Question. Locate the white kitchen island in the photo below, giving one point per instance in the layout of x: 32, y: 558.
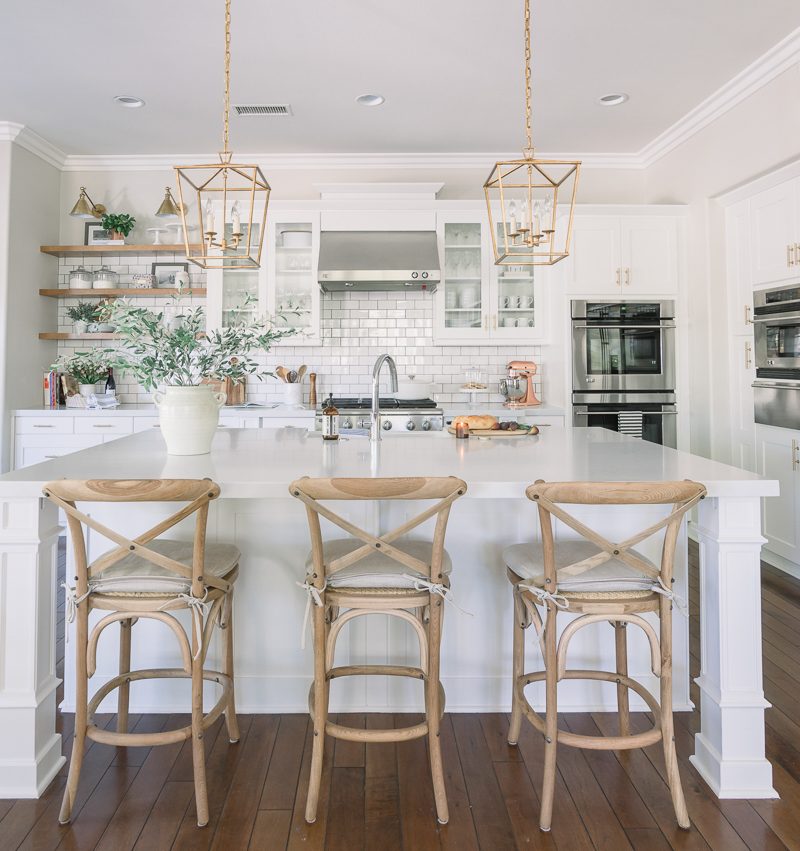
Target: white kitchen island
x: 254, y: 468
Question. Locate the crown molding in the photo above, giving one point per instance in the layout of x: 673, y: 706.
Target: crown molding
x: 31, y: 141
x: 343, y: 161
x: 9, y: 130
x: 775, y: 61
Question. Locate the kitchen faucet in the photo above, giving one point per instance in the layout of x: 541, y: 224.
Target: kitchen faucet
x: 375, y: 422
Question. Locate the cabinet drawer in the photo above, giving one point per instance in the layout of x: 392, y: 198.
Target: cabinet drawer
x: 103, y: 425
x: 144, y: 424
x: 294, y: 422
x: 34, y: 449
x: 231, y: 422
x: 54, y: 424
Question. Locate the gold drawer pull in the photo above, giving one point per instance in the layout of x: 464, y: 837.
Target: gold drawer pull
x: 36, y: 425
x: 795, y: 459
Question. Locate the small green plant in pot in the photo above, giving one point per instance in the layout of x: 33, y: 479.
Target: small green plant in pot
x: 82, y: 314
x: 118, y: 224
x: 173, y: 362
x: 87, y: 368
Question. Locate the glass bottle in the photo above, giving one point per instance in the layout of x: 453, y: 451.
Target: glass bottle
x: 111, y: 385
x: 330, y: 421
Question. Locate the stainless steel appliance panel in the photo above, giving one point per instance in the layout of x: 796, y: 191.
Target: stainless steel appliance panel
x: 777, y: 403
x: 650, y: 421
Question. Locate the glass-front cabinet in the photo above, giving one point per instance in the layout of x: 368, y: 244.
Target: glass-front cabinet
x: 285, y: 286
x: 476, y: 300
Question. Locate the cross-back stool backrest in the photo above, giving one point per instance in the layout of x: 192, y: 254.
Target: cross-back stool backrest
x: 312, y: 492
x: 196, y: 493
x: 550, y: 496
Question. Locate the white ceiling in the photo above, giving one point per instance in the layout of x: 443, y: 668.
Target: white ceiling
x: 451, y: 71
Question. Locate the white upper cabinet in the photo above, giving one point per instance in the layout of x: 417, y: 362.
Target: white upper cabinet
x: 623, y: 256
x: 738, y: 268
x: 595, y: 260
x: 774, y: 234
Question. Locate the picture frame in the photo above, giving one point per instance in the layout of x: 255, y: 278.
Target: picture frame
x: 95, y: 234
x: 165, y: 273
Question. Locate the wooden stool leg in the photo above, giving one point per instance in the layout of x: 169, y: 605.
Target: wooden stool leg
x: 667, y: 723
x: 433, y: 709
x: 124, y: 691
x: 320, y: 714
x: 623, y: 707
x: 81, y: 703
x: 551, y: 718
x: 518, y: 667
x: 198, y: 745
x: 226, y: 625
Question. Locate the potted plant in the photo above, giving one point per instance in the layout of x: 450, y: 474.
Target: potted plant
x: 87, y: 368
x: 81, y: 315
x: 119, y: 225
x: 173, y: 362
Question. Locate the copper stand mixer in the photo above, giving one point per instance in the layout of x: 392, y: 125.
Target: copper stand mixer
x: 518, y: 387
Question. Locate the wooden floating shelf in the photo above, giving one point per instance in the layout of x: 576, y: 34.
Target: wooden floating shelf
x: 77, y: 250
x: 130, y: 292
x: 58, y: 335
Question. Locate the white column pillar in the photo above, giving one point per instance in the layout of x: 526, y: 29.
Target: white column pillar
x: 30, y: 749
x: 729, y: 749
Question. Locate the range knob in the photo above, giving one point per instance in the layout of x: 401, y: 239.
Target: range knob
x: 410, y: 425
x: 426, y: 424
x: 415, y: 274
x: 387, y: 424
x: 346, y: 422
x: 424, y: 274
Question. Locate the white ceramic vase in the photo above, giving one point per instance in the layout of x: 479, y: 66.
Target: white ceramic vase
x: 189, y: 417
x: 86, y: 389
x: 80, y: 326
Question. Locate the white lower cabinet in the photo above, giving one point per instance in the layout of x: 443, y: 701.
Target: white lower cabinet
x: 778, y: 457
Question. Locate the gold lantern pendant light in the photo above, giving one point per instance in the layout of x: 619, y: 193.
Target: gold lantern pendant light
x: 224, y: 202
x: 527, y: 199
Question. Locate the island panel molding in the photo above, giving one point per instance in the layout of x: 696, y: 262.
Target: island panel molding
x: 256, y: 512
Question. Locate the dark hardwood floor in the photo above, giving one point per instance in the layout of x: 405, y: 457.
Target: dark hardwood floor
x: 379, y: 796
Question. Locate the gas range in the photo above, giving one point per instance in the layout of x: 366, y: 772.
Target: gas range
x: 396, y: 414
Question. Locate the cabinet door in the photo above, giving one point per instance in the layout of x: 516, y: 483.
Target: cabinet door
x: 593, y: 266
x: 738, y: 271
x: 292, y: 279
x: 774, y: 230
x: 743, y: 429
x: 780, y: 512
x: 649, y: 256
x: 462, y: 310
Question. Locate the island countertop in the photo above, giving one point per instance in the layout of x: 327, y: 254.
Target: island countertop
x: 249, y: 463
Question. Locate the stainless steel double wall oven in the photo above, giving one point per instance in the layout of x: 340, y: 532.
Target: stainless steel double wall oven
x: 623, y: 368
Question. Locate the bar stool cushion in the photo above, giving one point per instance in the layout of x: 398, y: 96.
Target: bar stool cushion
x: 377, y: 570
x: 527, y: 562
x: 136, y: 575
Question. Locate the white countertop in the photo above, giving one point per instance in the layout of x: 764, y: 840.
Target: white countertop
x: 251, y: 463
x: 152, y: 411
x: 496, y: 409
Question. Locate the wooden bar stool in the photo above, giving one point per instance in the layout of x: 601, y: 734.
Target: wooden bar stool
x: 367, y: 574
x: 149, y: 577
x: 600, y: 581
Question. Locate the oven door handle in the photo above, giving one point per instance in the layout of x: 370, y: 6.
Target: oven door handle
x: 778, y: 385
x: 643, y: 413
x: 633, y: 327
x: 778, y: 317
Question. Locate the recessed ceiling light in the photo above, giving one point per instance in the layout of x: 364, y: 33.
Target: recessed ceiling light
x: 129, y: 101
x: 370, y: 100
x: 613, y: 99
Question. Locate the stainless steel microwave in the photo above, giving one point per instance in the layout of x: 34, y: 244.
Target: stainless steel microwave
x: 623, y: 346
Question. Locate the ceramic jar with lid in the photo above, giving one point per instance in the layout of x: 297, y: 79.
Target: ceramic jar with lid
x: 80, y: 279
x: 105, y: 279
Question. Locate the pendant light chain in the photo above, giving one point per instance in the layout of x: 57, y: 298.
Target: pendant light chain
x: 528, y: 152
x: 227, y: 108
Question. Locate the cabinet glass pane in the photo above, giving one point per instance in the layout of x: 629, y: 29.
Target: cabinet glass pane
x: 462, y: 275
x: 295, y: 276
x: 239, y: 295
x: 515, y: 297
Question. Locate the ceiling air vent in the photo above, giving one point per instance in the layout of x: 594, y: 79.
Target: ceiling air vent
x: 269, y: 109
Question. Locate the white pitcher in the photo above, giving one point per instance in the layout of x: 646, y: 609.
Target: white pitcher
x: 189, y: 417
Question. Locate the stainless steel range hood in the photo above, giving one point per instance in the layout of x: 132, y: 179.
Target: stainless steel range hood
x: 378, y: 260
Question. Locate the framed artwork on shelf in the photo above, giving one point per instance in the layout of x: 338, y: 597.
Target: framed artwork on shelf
x: 166, y: 274
x: 95, y: 234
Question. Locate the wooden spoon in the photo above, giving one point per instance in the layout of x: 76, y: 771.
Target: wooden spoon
x: 301, y: 372
x: 280, y: 371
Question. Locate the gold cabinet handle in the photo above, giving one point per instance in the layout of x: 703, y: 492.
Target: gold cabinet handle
x: 494, y: 322
x: 748, y: 349
x: 618, y: 274
x: 747, y: 319
x: 485, y: 323
x: 790, y: 255
x: 795, y: 459
x: 627, y: 276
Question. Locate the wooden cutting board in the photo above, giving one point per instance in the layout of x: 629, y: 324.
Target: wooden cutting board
x: 489, y: 432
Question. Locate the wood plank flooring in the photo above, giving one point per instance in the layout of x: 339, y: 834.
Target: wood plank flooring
x: 379, y: 796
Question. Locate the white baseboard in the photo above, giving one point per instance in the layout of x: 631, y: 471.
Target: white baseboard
x: 774, y: 560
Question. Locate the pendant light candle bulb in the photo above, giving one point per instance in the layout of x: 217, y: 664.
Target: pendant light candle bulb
x: 513, y: 229
x: 236, y: 221
x: 209, y: 219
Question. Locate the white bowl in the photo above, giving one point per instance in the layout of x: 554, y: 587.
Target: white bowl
x: 296, y: 238
x: 409, y: 388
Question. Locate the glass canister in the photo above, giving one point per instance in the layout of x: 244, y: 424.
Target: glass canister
x: 80, y: 279
x: 105, y: 279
